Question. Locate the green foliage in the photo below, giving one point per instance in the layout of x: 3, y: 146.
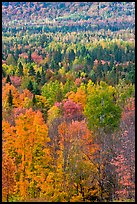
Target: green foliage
x: 31, y: 71
x: 101, y: 108
x: 11, y: 60
x: 20, y: 69
x: 30, y: 86
x: 76, y: 73
x: 123, y: 92
x: 52, y: 92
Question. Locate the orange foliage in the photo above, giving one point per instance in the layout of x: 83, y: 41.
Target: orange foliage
x: 15, y: 94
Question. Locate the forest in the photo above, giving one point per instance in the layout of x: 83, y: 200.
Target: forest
x: 68, y: 101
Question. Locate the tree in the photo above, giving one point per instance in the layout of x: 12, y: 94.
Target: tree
x: 5, y: 94
x: 72, y: 110
x: 20, y: 70
x: 11, y: 60
x: 31, y: 71
x: 103, y: 116
x: 10, y: 99
x: 78, y: 97
x: 78, y: 150
x: 36, y: 89
x: 124, y: 159
x: 34, y: 99
x: 52, y: 91
x: 43, y: 80
x: 101, y: 108
x: 8, y: 178
x: 27, y: 144
x: 53, y: 112
x: 3, y: 73
x: 38, y: 77
x: 8, y: 79
x: 29, y: 56
x: 71, y: 55
x: 30, y: 86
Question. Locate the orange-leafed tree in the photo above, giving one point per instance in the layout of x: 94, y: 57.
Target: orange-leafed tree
x: 5, y: 94
x: 78, y: 160
x: 27, y: 144
x: 8, y: 179
x: 31, y: 144
x: 78, y: 97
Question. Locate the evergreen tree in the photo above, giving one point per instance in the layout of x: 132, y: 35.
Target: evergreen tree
x: 3, y: 73
x: 8, y: 79
x: 45, y: 66
x: 20, y: 71
x: 32, y: 71
x: 36, y: 89
x: 29, y: 56
x: 30, y: 86
x: 43, y: 80
x: 71, y: 55
x: 10, y: 98
x: 38, y: 77
x: 34, y: 99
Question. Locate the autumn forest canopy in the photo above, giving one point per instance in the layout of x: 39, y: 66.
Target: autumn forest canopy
x: 68, y: 92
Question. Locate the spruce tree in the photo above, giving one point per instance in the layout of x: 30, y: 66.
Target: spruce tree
x: 31, y: 71
x: 34, y: 99
x: 43, y: 80
x: 8, y: 79
x: 20, y: 71
x: 29, y: 56
x: 3, y: 73
x: 38, y: 77
x: 10, y: 98
x: 30, y: 86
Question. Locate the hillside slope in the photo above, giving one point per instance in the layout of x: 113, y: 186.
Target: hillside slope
x: 81, y: 15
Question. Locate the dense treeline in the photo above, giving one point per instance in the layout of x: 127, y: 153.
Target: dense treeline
x: 68, y: 113
x: 77, y: 53
x: 69, y: 16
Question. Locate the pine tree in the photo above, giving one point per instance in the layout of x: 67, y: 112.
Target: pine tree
x: 34, y: 99
x: 43, y: 80
x: 20, y: 71
x: 29, y: 56
x: 10, y: 98
x: 38, y: 77
x: 30, y: 86
x: 8, y: 79
x: 35, y: 88
x: 3, y: 73
x: 32, y: 71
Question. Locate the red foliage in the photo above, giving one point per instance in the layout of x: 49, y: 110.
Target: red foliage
x: 124, y: 160
x: 15, y: 80
x: 78, y: 81
x: 24, y: 55
x: 36, y: 58
x: 72, y: 110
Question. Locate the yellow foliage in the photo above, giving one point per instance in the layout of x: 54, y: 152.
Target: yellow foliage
x: 53, y: 113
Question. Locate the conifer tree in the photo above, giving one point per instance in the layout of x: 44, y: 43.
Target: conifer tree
x: 8, y: 79
x: 32, y: 71
x: 20, y: 71
x: 43, y: 80
x: 30, y: 86
x: 10, y: 98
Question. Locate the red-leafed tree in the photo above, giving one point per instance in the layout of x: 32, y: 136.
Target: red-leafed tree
x: 124, y: 161
x: 72, y: 110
